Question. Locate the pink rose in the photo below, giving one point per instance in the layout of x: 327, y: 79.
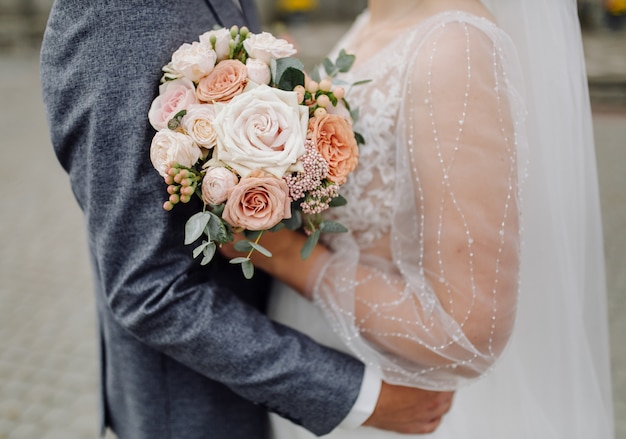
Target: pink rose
x: 258, y: 71
x: 265, y: 46
x: 227, y: 80
x: 174, y: 96
x: 334, y: 138
x: 257, y: 203
x: 222, y: 42
x: 216, y: 183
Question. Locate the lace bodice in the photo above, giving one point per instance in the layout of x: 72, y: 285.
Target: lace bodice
x: 424, y: 286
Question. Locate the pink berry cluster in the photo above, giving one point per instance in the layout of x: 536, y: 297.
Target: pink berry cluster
x: 318, y: 96
x: 182, y: 183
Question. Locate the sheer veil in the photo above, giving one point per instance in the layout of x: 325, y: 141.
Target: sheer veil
x: 561, y: 337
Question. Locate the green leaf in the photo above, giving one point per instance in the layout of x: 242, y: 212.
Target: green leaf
x: 290, y: 78
x: 338, y: 201
x: 248, y: 269
x: 277, y: 227
x: 344, y: 61
x: 209, y: 252
x: 360, y: 140
x: 315, y: 74
x: 329, y: 67
x: 216, y: 229
x: 310, y: 244
x: 195, y: 226
x: 364, y: 81
x: 261, y: 249
x: 240, y: 260
x: 243, y: 246
x: 354, y: 115
x: 332, y: 227
x: 287, y: 73
x: 199, y: 249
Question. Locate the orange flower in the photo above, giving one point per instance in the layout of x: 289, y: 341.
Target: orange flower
x: 334, y: 138
x: 227, y: 80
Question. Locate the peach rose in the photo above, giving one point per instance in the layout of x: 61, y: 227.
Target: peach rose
x: 334, y: 138
x: 257, y: 203
x: 227, y: 80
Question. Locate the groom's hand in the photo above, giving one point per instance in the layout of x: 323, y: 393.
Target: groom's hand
x: 408, y: 410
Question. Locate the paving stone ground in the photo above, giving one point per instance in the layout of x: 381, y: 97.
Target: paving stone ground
x: 48, y: 369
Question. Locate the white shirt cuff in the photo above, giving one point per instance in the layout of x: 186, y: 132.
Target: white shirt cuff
x: 366, y: 401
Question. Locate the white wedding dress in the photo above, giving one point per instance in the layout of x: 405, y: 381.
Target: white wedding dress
x: 433, y: 253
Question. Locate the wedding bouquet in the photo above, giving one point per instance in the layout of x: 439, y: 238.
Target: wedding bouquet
x: 263, y: 145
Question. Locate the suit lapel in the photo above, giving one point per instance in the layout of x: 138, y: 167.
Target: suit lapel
x: 228, y: 14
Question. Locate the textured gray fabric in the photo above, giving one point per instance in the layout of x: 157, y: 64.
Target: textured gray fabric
x: 186, y: 351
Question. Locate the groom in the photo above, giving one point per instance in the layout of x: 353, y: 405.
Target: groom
x: 186, y: 351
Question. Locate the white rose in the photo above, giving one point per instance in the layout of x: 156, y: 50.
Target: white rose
x: 258, y: 71
x: 194, y: 60
x: 198, y: 124
x: 169, y: 147
x: 222, y: 41
x: 265, y: 46
x: 216, y: 183
x: 263, y: 128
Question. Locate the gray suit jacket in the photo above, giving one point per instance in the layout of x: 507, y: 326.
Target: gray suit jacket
x: 186, y: 351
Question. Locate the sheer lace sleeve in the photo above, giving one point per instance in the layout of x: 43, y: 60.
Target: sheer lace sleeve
x: 431, y: 300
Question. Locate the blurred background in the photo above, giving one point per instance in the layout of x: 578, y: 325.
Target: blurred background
x: 48, y: 368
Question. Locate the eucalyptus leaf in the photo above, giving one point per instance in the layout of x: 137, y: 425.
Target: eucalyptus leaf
x: 364, y: 81
x: 217, y: 230
x: 354, y: 115
x: 329, y: 67
x: 310, y: 244
x: 248, y: 269
x: 261, y: 249
x: 315, y: 74
x: 332, y: 227
x: 277, y: 227
x: 360, y: 140
x: 195, y: 226
x: 344, y: 61
x: 240, y: 260
x: 243, y: 246
x: 209, y: 252
x: 199, y: 249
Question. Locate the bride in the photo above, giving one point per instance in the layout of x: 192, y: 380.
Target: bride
x: 477, y: 182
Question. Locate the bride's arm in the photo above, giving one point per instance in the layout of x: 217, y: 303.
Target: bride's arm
x: 441, y: 307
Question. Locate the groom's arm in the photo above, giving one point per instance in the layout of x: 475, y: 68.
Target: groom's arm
x: 100, y: 68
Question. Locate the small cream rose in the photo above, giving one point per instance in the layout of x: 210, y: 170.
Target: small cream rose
x: 263, y: 128
x: 169, y: 147
x: 258, y: 71
x: 265, y: 46
x: 227, y: 80
x: 174, y: 96
x: 216, y: 183
x: 257, y: 203
x: 198, y: 124
x: 222, y: 40
x: 194, y: 60
x: 334, y: 138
